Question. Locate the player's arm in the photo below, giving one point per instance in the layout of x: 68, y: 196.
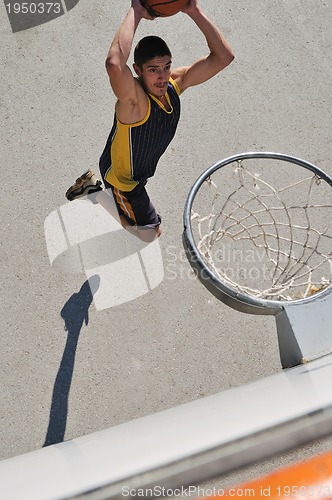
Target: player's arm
x: 220, y: 56
x: 121, y: 78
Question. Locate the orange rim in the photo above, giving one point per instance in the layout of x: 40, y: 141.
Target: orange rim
x: 311, y: 479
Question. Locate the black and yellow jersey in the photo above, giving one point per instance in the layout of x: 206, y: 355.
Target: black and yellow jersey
x: 133, y: 150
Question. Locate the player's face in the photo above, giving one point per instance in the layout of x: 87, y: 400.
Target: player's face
x: 155, y: 75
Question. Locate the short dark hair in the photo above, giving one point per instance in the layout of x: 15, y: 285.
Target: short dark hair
x: 148, y: 48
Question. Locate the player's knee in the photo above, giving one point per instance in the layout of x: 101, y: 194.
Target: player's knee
x: 149, y: 235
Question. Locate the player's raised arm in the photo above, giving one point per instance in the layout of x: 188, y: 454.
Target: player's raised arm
x: 121, y: 77
x: 220, y: 56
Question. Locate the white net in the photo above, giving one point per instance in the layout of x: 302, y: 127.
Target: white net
x: 264, y: 227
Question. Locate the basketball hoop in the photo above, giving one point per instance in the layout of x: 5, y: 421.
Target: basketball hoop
x: 258, y: 232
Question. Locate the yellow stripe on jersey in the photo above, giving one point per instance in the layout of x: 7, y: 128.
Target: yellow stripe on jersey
x: 175, y: 85
x: 121, y: 153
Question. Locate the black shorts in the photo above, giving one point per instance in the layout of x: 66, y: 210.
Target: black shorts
x: 135, y: 206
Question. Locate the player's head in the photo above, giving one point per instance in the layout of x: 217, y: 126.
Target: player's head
x: 149, y: 48
x: 152, y: 64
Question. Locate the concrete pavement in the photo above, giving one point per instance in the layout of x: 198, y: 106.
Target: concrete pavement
x: 68, y: 369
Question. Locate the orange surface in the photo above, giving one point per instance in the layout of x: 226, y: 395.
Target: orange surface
x: 311, y: 479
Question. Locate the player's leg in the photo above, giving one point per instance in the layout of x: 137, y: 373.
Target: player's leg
x: 136, y: 209
x: 133, y: 210
x: 107, y: 200
x: 88, y: 185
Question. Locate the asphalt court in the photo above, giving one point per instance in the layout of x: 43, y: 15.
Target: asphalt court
x: 68, y: 366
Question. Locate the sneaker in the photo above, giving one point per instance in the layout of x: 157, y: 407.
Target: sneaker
x: 84, y: 185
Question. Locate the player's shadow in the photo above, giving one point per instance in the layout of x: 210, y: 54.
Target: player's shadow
x: 75, y: 313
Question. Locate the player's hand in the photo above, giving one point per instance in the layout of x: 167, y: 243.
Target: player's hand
x: 140, y: 10
x: 191, y: 6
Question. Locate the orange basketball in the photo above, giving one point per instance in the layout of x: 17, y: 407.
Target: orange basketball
x: 163, y: 8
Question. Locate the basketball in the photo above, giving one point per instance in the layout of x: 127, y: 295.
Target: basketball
x: 163, y: 8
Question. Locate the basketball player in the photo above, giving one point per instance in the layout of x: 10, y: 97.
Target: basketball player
x: 146, y: 116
